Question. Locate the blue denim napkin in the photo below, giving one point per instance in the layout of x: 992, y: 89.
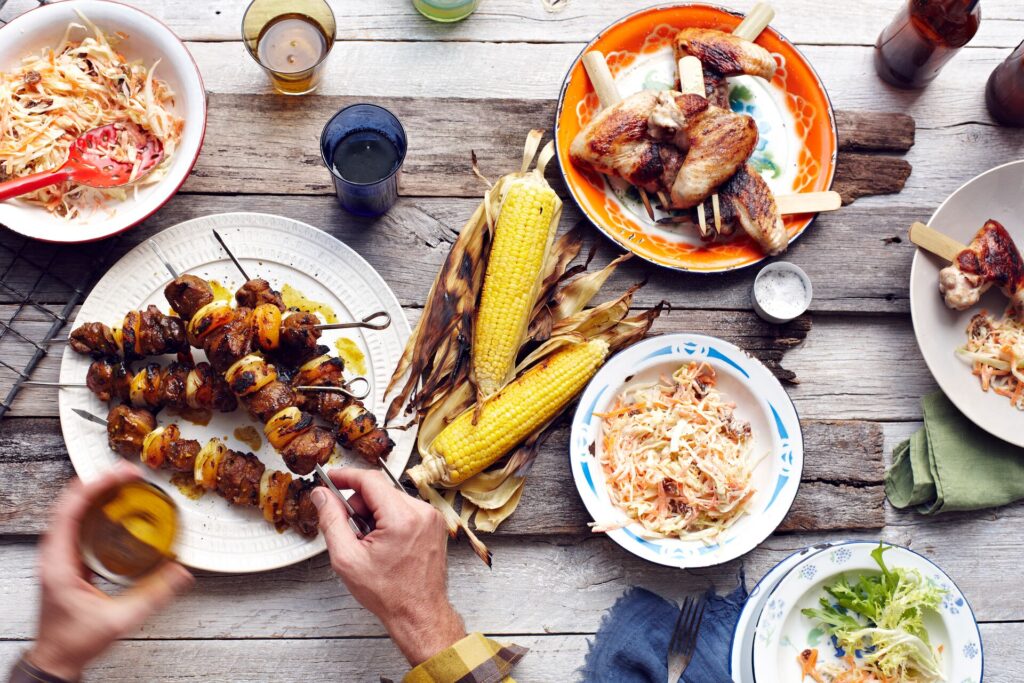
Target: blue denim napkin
x: 631, y: 646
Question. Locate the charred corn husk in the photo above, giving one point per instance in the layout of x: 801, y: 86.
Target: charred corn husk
x: 464, y: 449
x: 521, y: 243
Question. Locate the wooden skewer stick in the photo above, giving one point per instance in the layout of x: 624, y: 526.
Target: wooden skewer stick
x: 691, y: 81
x: 607, y: 91
x: 933, y: 241
x: 790, y: 204
x: 757, y: 20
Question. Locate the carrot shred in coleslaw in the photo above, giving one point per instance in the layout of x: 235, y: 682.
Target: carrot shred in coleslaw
x: 676, y: 459
x: 995, y: 349
x: 58, y: 94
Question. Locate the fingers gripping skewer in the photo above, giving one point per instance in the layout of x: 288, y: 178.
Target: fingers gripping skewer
x: 608, y: 94
x: 359, y: 526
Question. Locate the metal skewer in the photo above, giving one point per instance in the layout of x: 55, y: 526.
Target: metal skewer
x: 160, y: 255
x: 345, y: 389
x: 60, y: 385
x: 85, y: 414
x: 359, y: 525
x: 224, y: 246
x: 394, y: 480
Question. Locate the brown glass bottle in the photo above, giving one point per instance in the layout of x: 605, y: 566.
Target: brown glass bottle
x: 1004, y: 93
x: 912, y: 50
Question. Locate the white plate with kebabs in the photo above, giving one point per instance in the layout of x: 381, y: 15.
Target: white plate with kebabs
x: 199, y: 380
x: 696, y: 137
x: 967, y: 299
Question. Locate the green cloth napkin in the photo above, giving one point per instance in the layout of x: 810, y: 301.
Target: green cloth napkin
x: 951, y: 464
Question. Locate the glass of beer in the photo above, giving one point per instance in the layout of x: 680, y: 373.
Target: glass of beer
x: 128, y: 531
x: 290, y: 39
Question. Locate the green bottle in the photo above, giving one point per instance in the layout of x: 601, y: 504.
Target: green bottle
x: 446, y: 10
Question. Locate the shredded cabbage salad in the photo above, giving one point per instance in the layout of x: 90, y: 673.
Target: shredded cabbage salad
x: 881, y: 617
x: 676, y: 459
x: 58, y: 94
x: 995, y: 349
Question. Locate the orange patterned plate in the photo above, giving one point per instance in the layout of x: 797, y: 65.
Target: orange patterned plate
x: 796, y: 151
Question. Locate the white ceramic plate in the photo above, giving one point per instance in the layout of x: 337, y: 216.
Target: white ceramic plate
x: 997, y: 194
x: 760, y: 400
x: 216, y: 536
x: 146, y: 39
x: 741, y: 660
x: 783, y: 632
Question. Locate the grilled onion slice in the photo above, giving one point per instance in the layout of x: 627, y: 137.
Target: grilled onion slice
x: 208, y: 462
x: 286, y: 425
x: 206, y: 320
x: 249, y: 374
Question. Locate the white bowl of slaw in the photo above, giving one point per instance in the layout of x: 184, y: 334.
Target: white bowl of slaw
x: 760, y: 400
x: 145, y: 39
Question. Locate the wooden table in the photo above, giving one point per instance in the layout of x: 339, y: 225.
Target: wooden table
x: 490, y: 78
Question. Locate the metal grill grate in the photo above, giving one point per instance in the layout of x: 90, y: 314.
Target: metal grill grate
x: 36, y: 302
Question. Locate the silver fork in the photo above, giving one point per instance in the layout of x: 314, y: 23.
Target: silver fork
x: 684, y: 637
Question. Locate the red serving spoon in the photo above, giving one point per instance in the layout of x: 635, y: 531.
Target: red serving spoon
x: 90, y: 161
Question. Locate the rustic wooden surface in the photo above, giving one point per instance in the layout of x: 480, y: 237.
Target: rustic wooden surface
x: 853, y: 367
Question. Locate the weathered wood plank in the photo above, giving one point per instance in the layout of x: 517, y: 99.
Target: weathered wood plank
x: 288, y: 158
x: 526, y: 20
x: 875, y: 131
x: 34, y: 459
x: 537, y: 585
x: 551, y: 658
x: 858, y: 261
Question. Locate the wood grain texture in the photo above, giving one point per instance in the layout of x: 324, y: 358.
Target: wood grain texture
x: 857, y: 258
x: 34, y: 459
x: 802, y: 21
x: 288, y: 159
x: 551, y: 658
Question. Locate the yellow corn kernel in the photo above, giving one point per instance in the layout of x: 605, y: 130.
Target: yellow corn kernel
x: 522, y: 239
x: 463, y: 449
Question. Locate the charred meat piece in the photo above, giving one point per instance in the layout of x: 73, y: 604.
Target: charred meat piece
x: 94, y: 339
x: 720, y: 144
x: 127, y: 428
x: 299, y: 511
x: 376, y: 444
x: 179, y: 453
x: 725, y: 53
x: 298, y: 338
x: 256, y: 292
x: 269, y: 400
x: 307, y: 450
x: 992, y: 258
x: 209, y: 390
x: 230, y: 342
x: 108, y: 379
x: 752, y: 205
x: 238, y: 478
x: 187, y: 294
x: 636, y: 139
x: 174, y: 385
x: 151, y: 333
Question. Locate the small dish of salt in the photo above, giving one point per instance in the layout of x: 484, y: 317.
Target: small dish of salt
x: 782, y: 292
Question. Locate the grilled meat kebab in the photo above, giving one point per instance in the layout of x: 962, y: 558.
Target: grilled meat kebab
x: 992, y: 258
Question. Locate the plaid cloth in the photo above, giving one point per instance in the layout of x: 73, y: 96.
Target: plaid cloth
x: 474, y: 659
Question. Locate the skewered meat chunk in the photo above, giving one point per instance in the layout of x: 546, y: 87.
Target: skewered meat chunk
x: 238, y: 478
x: 229, y: 342
x: 298, y: 341
x: 724, y: 53
x: 187, y: 294
x: 635, y: 138
x: 270, y: 400
x: 207, y: 390
x: 127, y: 428
x: 178, y: 386
x: 108, y: 379
x: 307, y: 450
x: 720, y: 144
x: 753, y: 206
x: 151, y: 333
x: 991, y: 259
x: 256, y: 292
x: 299, y: 511
x: 94, y: 339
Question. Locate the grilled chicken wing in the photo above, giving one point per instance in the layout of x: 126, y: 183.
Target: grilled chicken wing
x: 991, y: 259
x: 720, y: 142
x: 635, y: 138
x: 753, y: 205
x: 724, y: 53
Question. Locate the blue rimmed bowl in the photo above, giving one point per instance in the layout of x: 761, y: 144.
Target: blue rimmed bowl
x: 759, y: 399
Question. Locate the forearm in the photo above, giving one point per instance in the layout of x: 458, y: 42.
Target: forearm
x: 29, y: 670
x: 421, y: 634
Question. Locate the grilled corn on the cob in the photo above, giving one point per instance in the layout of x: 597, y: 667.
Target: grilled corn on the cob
x: 464, y: 449
x: 522, y: 240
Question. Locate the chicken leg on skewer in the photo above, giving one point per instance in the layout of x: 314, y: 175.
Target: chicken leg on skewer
x: 240, y: 478
x: 723, y: 54
x: 990, y: 259
x: 746, y: 201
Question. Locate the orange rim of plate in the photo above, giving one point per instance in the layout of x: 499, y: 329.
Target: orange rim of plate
x: 648, y: 31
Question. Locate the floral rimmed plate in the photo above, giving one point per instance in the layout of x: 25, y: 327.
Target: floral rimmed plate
x: 760, y: 400
x: 783, y: 631
x: 796, y: 151
x: 741, y: 659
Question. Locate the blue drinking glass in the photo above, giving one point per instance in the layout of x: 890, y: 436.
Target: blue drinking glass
x: 364, y: 198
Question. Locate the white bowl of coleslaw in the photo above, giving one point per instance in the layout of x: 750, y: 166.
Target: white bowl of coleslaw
x: 774, y: 450
x: 144, y: 41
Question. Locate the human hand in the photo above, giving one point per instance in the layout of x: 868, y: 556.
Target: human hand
x: 78, y: 621
x: 399, y: 571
